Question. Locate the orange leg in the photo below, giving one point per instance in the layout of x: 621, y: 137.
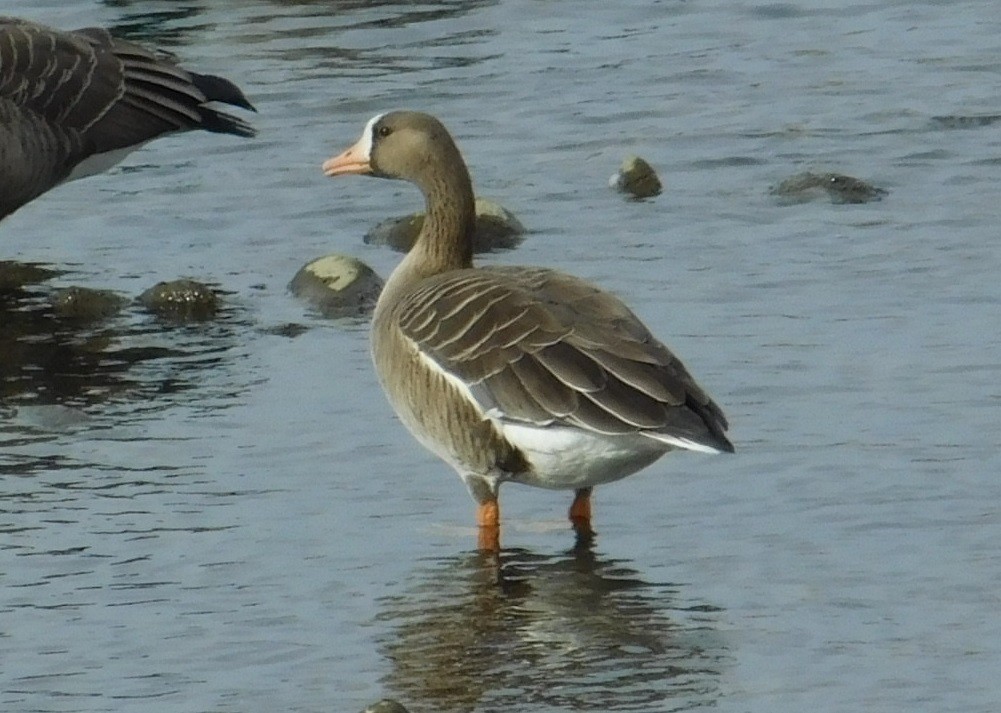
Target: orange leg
x: 488, y: 518
x: 580, y: 513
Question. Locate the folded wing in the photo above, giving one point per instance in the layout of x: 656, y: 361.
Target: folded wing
x: 545, y: 348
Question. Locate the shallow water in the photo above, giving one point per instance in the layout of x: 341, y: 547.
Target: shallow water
x: 225, y: 517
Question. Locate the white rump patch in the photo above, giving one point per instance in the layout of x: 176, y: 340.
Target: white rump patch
x: 565, y: 457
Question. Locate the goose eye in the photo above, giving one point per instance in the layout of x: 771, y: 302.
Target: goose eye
x: 383, y: 131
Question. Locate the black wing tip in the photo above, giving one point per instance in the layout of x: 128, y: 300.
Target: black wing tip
x: 219, y: 89
x: 713, y: 421
x: 219, y: 122
x: 717, y: 435
x: 715, y: 439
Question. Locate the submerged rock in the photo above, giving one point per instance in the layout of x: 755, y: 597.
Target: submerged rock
x: 386, y: 705
x: 291, y: 330
x: 338, y: 286
x: 974, y: 121
x: 83, y: 304
x: 837, y: 187
x: 637, y: 178
x: 181, y: 300
x: 496, y: 229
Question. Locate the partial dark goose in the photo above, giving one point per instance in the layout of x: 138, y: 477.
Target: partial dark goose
x: 75, y: 103
x: 515, y: 373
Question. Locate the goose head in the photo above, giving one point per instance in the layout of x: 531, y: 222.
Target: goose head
x: 406, y: 145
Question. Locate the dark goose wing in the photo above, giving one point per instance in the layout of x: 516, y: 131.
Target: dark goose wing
x: 69, y: 96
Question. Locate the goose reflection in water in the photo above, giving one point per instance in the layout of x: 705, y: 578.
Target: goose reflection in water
x: 507, y: 632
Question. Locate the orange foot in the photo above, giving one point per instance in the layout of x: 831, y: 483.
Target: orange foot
x: 488, y: 518
x: 580, y: 513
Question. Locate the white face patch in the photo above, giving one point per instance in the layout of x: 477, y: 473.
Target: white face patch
x: 365, y: 143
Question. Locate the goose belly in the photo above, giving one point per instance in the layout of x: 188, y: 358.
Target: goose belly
x: 565, y: 458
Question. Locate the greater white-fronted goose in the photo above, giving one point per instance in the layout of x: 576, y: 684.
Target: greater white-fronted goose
x: 515, y: 373
x: 74, y: 103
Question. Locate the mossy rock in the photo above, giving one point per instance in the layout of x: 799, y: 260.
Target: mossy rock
x: 837, y: 187
x: 496, y: 229
x: 637, y: 178
x: 386, y: 705
x: 181, y: 300
x: 338, y: 286
x: 82, y: 304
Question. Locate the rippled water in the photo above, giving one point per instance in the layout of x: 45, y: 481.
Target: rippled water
x: 226, y: 517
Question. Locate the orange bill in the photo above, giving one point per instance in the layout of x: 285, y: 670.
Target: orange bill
x: 353, y: 161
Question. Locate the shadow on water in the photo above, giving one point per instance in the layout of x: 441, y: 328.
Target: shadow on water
x: 573, y: 631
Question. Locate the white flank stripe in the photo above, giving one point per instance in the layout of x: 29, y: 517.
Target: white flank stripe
x: 451, y: 378
x: 680, y: 442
